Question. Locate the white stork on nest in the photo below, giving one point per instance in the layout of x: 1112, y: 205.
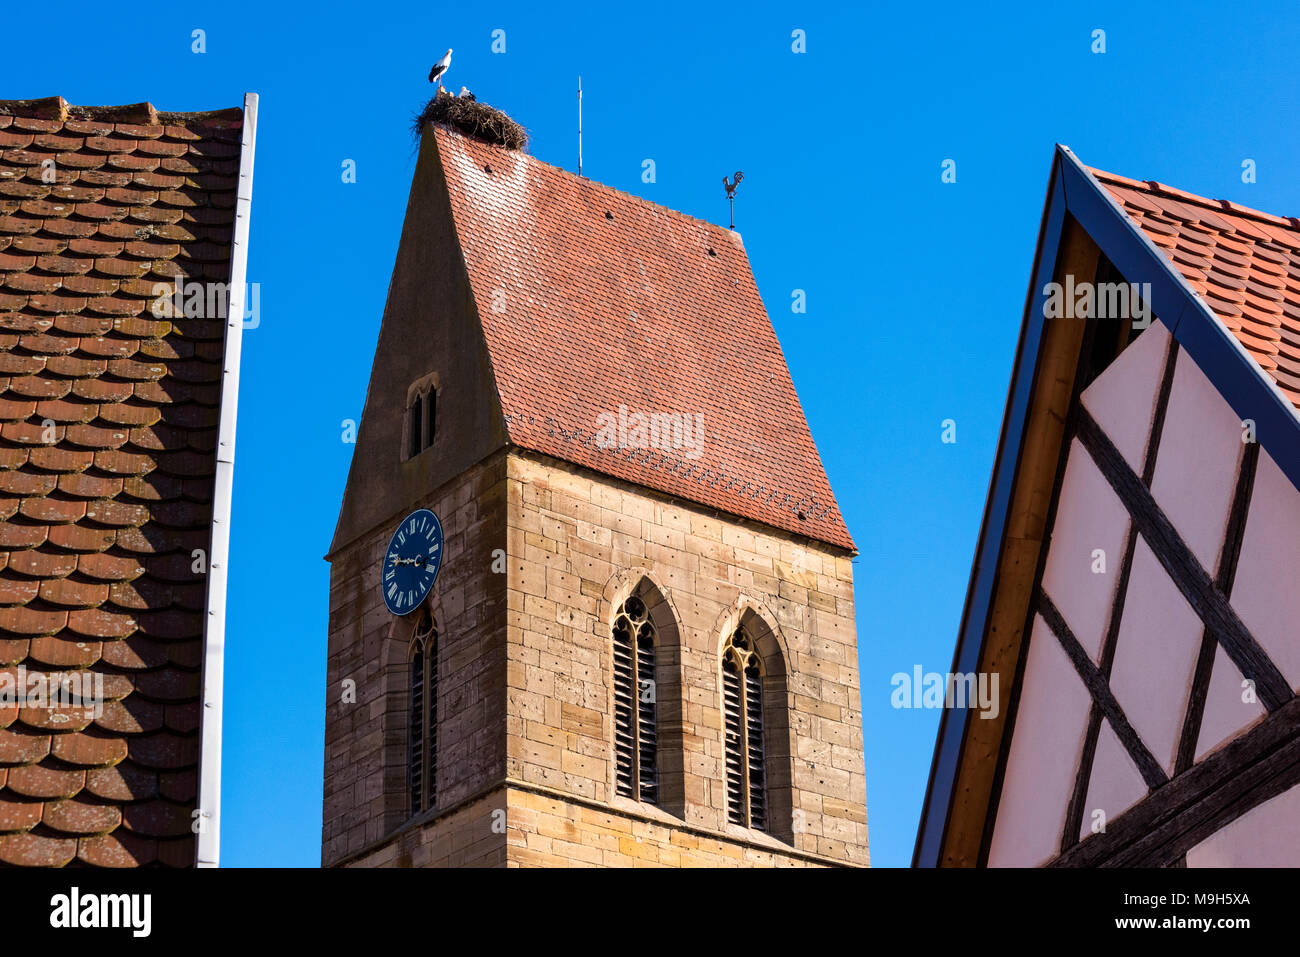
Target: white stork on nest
x: 439, y: 68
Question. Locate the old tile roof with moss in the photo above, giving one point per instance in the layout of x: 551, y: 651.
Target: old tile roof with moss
x: 1244, y: 263
x: 593, y: 300
x: 108, y: 426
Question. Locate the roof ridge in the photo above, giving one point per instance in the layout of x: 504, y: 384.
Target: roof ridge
x: 57, y: 108
x: 1182, y: 195
x: 590, y: 183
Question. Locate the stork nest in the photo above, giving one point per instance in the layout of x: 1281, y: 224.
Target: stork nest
x: 472, y: 118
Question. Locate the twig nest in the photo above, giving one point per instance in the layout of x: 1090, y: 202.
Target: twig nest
x: 472, y: 118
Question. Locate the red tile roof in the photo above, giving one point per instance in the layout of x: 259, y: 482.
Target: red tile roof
x: 1244, y: 263
x: 108, y: 425
x: 592, y: 299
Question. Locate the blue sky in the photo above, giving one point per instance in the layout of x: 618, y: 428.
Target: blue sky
x: 914, y: 287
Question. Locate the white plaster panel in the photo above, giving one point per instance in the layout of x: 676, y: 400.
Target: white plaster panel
x: 1044, y: 756
x: 1265, y: 836
x: 1226, y: 714
x: 1196, y: 467
x: 1123, y: 398
x: 1089, y: 516
x: 1115, y: 785
x: 1155, y: 656
x: 1266, y: 590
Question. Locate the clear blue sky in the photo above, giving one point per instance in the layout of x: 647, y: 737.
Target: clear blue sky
x: 914, y: 287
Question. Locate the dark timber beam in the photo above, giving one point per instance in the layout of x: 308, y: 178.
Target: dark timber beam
x: 1201, y: 592
x: 1110, y: 641
x: 1225, y: 577
x: 1159, y: 831
x: 1102, y: 696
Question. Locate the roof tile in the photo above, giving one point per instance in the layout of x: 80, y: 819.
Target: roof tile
x: 649, y: 312
x: 80, y: 817
x: 62, y: 651
x: 119, y: 849
x: 36, y: 850
x: 80, y: 347
x: 1249, y: 275
x: 88, y: 750
x: 39, y: 781
x: 124, y: 782
x: 19, y: 815
x: 23, y: 746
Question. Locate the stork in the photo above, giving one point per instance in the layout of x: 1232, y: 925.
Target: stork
x: 439, y: 68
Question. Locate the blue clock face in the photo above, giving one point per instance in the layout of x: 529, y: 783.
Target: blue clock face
x: 412, y: 561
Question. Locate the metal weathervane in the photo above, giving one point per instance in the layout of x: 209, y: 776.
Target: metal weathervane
x: 730, y: 187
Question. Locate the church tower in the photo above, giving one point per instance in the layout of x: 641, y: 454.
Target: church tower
x: 639, y: 646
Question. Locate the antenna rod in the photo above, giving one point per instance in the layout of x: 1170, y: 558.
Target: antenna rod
x: 579, y: 124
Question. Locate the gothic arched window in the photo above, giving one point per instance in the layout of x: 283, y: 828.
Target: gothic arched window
x: 742, y: 706
x: 635, y: 711
x: 422, y: 716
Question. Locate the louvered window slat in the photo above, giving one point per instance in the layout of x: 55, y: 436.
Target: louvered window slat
x: 742, y: 716
x: 735, y: 747
x: 636, y: 745
x: 422, y: 718
x: 647, y: 732
x: 624, y: 722
x: 415, y: 766
x: 431, y: 725
x: 754, y: 745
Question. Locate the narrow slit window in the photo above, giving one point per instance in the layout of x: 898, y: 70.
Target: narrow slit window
x: 742, y: 721
x: 413, y: 428
x: 421, y: 421
x: 636, y: 745
x: 430, y: 417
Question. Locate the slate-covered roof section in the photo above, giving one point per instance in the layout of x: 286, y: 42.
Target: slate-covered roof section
x: 592, y: 300
x: 1244, y: 263
x: 108, y: 429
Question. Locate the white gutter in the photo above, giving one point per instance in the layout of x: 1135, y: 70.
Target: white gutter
x: 214, y: 633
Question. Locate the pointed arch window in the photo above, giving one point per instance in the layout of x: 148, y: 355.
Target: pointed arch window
x: 636, y: 742
x: 742, y: 705
x: 422, y: 715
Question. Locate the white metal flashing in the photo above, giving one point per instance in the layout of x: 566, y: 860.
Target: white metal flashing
x: 214, y: 633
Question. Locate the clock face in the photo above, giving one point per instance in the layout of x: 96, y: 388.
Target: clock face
x: 412, y: 561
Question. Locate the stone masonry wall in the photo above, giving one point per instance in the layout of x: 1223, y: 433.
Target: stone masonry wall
x: 470, y: 836
x: 365, y: 743
x: 577, y: 546
x: 525, y: 704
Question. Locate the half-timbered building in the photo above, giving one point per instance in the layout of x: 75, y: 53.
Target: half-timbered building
x: 1134, y: 586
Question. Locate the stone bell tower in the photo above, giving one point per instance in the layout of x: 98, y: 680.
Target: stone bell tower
x: 640, y: 647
